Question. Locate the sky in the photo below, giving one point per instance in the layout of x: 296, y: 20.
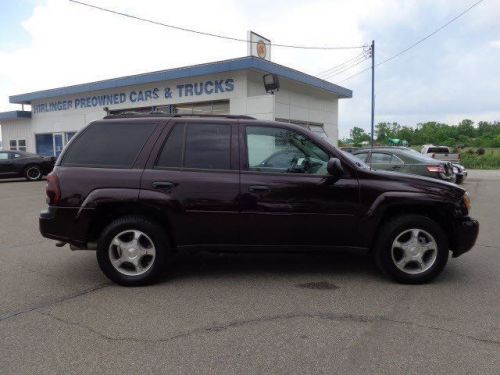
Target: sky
x: 453, y: 75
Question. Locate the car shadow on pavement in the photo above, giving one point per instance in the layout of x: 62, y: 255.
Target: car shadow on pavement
x: 214, y: 265
x: 20, y: 180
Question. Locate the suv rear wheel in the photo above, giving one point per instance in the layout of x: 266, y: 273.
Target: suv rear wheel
x: 411, y: 249
x: 132, y: 251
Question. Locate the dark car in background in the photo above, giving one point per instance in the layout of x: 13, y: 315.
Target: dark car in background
x: 155, y: 185
x: 460, y: 173
x: 24, y: 164
x: 401, y: 159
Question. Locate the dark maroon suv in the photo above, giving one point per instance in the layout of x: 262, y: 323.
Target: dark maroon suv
x: 139, y: 188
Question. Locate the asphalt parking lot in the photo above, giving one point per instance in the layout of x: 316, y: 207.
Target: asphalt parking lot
x: 318, y: 314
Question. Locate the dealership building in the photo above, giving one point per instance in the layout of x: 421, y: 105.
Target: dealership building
x: 230, y: 87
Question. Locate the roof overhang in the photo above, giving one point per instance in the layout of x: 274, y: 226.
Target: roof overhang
x: 244, y: 63
x: 14, y: 115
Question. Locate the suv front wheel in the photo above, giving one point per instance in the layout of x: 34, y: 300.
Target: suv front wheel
x: 132, y: 251
x: 411, y: 249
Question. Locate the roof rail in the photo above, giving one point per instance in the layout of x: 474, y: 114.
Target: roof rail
x: 129, y: 114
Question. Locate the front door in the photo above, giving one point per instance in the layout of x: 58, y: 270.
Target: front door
x: 6, y: 164
x: 58, y: 139
x: 287, y: 197
x: 193, y: 178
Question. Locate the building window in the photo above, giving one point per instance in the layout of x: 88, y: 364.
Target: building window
x: 51, y: 144
x: 315, y: 127
x: 218, y: 107
x: 17, y: 144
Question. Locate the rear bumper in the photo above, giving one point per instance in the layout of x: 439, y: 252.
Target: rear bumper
x: 465, y: 231
x: 65, y: 224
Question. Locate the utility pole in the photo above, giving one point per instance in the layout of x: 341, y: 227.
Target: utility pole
x: 372, y: 51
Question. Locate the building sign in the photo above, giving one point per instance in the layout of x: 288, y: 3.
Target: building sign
x: 209, y: 87
x: 259, y: 46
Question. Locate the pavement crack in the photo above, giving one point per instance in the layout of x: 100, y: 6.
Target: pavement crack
x: 52, y: 303
x: 484, y: 245
x: 266, y: 319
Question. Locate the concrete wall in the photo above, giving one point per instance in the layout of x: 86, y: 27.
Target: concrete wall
x: 19, y: 129
x: 299, y: 102
x: 294, y: 101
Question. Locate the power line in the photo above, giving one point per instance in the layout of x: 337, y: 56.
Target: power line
x: 207, y: 33
x: 345, y: 69
x: 418, y: 41
x: 342, y: 65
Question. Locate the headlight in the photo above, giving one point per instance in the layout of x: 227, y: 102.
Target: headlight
x: 455, y: 170
x: 467, y: 202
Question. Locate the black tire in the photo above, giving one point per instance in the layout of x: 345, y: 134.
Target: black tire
x: 392, y: 230
x: 33, y: 172
x: 153, y: 232
x: 459, y: 180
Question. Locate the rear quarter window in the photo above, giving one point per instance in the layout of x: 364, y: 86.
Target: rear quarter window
x: 108, y: 145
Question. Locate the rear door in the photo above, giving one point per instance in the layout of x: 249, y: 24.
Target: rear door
x: 192, y: 177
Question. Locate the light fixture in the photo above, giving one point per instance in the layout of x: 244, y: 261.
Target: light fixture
x: 271, y: 83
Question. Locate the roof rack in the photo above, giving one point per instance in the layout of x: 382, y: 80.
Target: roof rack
x: 129, y: 114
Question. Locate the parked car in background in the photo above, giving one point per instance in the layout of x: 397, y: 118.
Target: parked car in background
x: 400, y: 159
x: 440, y: 152
x: 156, y: 185
x: 24, y: 164
x: 460, y: 173
x: 349, y: 149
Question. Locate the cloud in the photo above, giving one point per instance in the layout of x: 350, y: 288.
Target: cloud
x: 452, y: 74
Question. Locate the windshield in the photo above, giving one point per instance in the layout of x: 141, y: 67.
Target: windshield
x: 359, y: 163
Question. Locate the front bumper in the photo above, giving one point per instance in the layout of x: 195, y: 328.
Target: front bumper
x: 465, y: 231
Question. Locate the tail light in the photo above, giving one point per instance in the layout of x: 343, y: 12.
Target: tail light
x: 436, y: 168
x: 53, y: 189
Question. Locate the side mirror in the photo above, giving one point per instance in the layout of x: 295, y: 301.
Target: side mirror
x: 334, y: 168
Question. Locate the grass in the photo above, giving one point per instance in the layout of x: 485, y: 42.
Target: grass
x: 471, y: 160
x: 490, y: 160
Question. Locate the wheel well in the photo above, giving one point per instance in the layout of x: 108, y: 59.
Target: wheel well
x: 31, y: 165
x: 437, y: 214
x: 106, y: 213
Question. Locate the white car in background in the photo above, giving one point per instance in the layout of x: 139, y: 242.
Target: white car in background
x: 440, y: 152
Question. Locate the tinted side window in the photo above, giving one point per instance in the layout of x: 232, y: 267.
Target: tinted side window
x: 200, y: 146
x: 378, y: 157
x: 112, y: 145
x: 171, y: 154
x: 207, y: 146
x: 396, y: 160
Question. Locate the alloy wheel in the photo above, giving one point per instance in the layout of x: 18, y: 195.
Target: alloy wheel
x: 132, y: 252
x: 414, y: 251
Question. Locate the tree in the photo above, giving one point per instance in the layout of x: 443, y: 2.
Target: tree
x: 358, y: 135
